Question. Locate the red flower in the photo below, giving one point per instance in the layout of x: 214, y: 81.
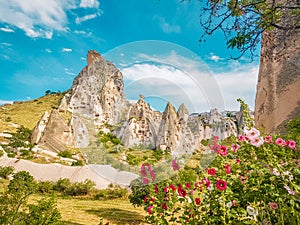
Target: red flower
x: 268, y: 139
x: 227, y: 168
x: 234, y: 203
x: 166, y: 189
x: 273, y: 205
x: 188, y: 185
x: 197, y: 201
x: 280, y: 142
x: 146, y: 198
x: 181, y: 191
x: 223, y: 151
x: 175, y: 165
x: 164, y: 206
x: 172, y: 186
x: 221, y: 185
x: 211, y: 171
x: 155, y: 189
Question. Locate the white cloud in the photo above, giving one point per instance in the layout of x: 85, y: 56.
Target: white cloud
x: 214, y: 57
x: 5, y: 102
x: 179, y: 79
x: 48, y: 50
x: 79, y: 20
x: 66, y: 50
x: 6, y: 44
x: 84, y: 33
x: 7, y: 29
x: 167, y: 27
x: 38, y: 19
x: 89, y: 4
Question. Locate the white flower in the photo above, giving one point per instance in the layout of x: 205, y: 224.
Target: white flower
x: 210, y: 188
x: 275, y: 172
x: 291, y: 177
x: 286, y: 172
x: 229, y: 204
x: 252, y: 133
x: 256, y: 141
x: 251, y: 211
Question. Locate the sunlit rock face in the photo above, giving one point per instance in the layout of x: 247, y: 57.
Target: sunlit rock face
x: 278, y: 87
x: 141, y: 127
x: 209, y: 124
x: 97, y: 92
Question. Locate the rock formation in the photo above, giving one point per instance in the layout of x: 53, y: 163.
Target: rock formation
x: 278, y: 95
x: 207, y: 125
x: 96, y: 100
x: 141, y: 126
x: 97, y: 92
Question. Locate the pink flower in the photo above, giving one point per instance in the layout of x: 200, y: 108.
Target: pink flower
x: 197, y: 201
x: 243, y: 179
x: 237, y: 161
x: 241, y: 138
x: 252, y: 133
x: 234, y: 203
x: 143, y: 171
x: 149, y: 210
x: 223, y: 151
x: 273, y: 205
x: 235, y: 147
x: 268, y: 139
x: 221, y: 185
x: 146, y: 198
x: 207, y: 182
x: 153, y: 175
x: 145, y: 180
x: 215, y: 145
x: 166, y: 189
x: 211, y: 171
x: 292, y: 144
x: 164, y: 206
x: 256, y: 141
x: 290, y: 191
x: 155, y: 189
x: 227, y: 168
x: 280, y: 142
x: 175, y: 165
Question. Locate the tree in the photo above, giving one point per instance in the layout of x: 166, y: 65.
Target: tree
x: 243, y: 21
x: 14, y: 209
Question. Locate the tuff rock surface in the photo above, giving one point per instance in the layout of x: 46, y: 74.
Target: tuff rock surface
x: 278, y: 94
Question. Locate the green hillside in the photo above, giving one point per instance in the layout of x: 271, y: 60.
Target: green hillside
x: 27, y: 113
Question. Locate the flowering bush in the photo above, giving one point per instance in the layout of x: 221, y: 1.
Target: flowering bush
x: 254, y: 181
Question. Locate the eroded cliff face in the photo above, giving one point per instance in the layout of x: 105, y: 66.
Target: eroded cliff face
x: 278, y: 87
x: 97, y: 92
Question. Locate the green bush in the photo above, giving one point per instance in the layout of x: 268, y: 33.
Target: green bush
x: 62, y: 185
x: 81, y: 188
x: 77, y: 163
x: 6, y: 171
x: 45, y: 187
x: 65, y: 154
x: 113, y: 192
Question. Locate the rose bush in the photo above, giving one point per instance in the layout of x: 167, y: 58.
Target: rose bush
x: 254, y: 181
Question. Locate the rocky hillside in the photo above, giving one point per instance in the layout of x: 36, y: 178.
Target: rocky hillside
x: 96, y: 101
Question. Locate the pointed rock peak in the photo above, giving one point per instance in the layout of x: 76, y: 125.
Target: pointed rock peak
x: 182, y: 111
x: 141, y: 100
x: 92, y: 56
x: 169, y: 109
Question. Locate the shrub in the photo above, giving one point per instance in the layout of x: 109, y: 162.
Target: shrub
x: 113, y: 192
x: 65, y: 154
x: 45, y: 187
x: 6, y: 171
x: 62, y: 185
x: 77, y: 163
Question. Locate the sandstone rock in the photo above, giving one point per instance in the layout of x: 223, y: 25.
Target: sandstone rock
x: 40, y: 128
x: 278, y: 95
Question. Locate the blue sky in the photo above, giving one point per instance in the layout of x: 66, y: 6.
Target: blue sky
x: 43, y: 46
